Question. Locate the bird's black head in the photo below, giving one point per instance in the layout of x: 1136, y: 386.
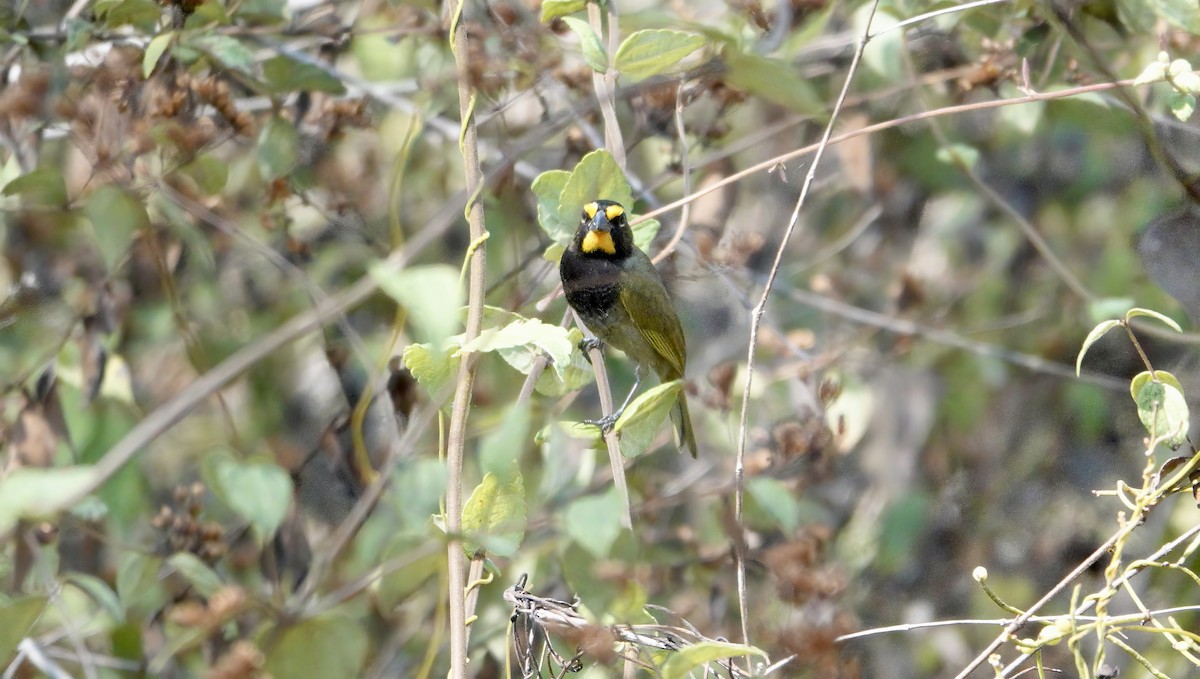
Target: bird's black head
x: 604, y: 231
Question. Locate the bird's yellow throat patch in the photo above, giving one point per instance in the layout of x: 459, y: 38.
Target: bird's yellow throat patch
x: 599, y: 240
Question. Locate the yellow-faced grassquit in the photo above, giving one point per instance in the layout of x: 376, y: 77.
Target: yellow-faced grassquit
x: 615, y: 289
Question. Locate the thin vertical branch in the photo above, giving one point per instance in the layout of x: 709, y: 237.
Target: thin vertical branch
x: 456, y: 438
x: 756, y: 318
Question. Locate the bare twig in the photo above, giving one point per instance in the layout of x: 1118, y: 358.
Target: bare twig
x: 756, y: 318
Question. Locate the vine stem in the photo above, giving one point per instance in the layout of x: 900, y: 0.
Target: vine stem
x: 756, y: 319
x: 456, y: 437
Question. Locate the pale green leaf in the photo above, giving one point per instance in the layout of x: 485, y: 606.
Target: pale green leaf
x: 1182, y: 105
x: 209, y: 172
x: 1184, y: 14
x: 330, y: 645
x: 433, y: 368
x: 154, y: 51
x: 589, y: 44
x: 199, y: 574
x: 654, y: 51
x: 284, y: 75
x: 259, y: 492
x: 277, y: 145
x: 567, y: 376
x: 552, y: 9
x: 227, y: 50
x: 139, y: 587
x: 431, y: 294
x: 774, y: 81
x: 959, y: 155
x: 99, y: 592
x: 596, y: 176
x: 116, y: 216
x: 644, y: 233
x: 1188, y: 82
x: 1108, y: 307
x: 682, y: 662
x: 1141, y: 379
x: 594, y: 522
x: 643, y: 417
x: 494, y: 516
x: 16, y: 621
x: 548, y: 187
x: 504, y: 444
x: 1093, y: 337
x: 41, y: 187
x: 1163, y: 412
x: 1150, y: 313
x: 776, y: 501
x: 32, y: 493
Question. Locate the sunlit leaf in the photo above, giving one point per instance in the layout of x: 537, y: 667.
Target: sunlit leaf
x: 596, y: 176
x: 654, y: 51
x: 494, y: 515
x: 681, y: 663
x: 644, y: 417
x: 154, y: 51
x: 199, y: 574
x: 433, y: 368
x: 548, y: 188
x: 1182, y: 105
x: 552, y: 9
x: 1150, y: 313
x: 589, y: 44
x: 1093, y: 337
x: 644, y: 233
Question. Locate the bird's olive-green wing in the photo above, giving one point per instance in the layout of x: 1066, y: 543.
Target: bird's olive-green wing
x: 647, y: 303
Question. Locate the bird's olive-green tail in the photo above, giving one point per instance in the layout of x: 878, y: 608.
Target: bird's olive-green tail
x: 684, y: 436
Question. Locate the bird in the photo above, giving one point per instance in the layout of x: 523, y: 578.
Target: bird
x: 618, y: 294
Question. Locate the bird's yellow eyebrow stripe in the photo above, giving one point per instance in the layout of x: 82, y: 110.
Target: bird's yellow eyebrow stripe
x: 613, y: 211
x: 590, y: 210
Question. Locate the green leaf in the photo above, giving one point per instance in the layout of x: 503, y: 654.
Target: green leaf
x: 433, y: 368
x: 32, y: 493
x: 576, y: 430
x: 1187, y: 82
x: 494, y: 517
x: 1093, y: 337
x: 1184, y: 14
x: 277, y: 148
x: 1163, y: 412
x: 681, y: 663
x: 99, y: 591
x: 594, y: 522
x: 116, y: 216
x: 259, y: 492
x: 776, y: 501
x: 284, y: 74
x: 228, y: 51
x: 573, y: 373
x: 1108, y: 307
x: 1166, y: 320
x: 199, y: 574
x: 548, y: 187
x: 154, y: 51
x: 209, y: 172
x: 774, y: 81
x: 643, y: 418
x: 596, y: 176
x: 139, y: 587
x: 654, y: 51
x: 16, y: 620
x: 552, y: 9
x: 644, y: 233
x: 43, y: 187
x: 503, y: 445
x: 141, y: 14
x: 520, y: 342
x: 330, y: 645
x: 1182, y: 105
x: 431, y: 294
x: 959, y: 155
x: 1141, y: 379
x: 589, y: 44
x: 1154, y: 72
